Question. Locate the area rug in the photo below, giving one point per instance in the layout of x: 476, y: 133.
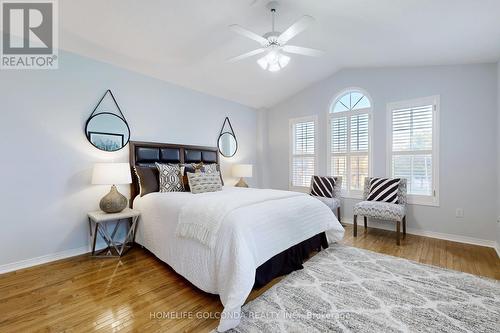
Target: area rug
x: 344, y: 289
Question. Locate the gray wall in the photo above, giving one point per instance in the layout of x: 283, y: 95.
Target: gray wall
x: 468, y: 158
x: 47, y: 161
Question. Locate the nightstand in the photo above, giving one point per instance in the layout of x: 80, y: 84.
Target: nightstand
x: 100, y: 223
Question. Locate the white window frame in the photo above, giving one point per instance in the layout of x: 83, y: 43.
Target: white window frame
x: 347, y: 193
x: 292, y: 122
x: 426, y: 200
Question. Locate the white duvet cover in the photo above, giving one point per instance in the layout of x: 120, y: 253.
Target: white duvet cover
x: 202, y: 217
x: 248, y: 236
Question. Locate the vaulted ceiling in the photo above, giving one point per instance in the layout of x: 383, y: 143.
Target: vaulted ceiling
x: 187, y: 42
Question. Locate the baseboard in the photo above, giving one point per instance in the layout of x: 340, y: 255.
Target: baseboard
x: 14, y: 266
x: 438, y: 235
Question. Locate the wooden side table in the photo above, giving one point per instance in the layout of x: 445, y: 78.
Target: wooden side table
x: 99, y: 222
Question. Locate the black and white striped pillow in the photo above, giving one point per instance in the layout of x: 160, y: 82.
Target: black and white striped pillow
x: 322, y: 186
x: 384, y: 189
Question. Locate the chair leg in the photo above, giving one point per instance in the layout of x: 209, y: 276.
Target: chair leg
x: 398, y: 227
x: 404, y: 227
x: 338, y: 213
x: 355, y: 228
x: 366, y: 222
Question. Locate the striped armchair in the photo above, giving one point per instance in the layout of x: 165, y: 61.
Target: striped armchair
x: 383, y: 210
x: 321, y: 189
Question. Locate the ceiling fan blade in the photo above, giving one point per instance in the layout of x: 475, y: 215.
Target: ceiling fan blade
x: 247, y: 33
x: 303, y: 51
x: 295, y: 29
x: 247, y: 55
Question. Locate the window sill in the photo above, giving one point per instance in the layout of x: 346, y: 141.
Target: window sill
x: 409, y: 202
x: 352, y: 196
x: 422, y: 203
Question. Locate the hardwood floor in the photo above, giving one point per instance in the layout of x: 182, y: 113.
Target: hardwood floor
x: 478, y: 260
x: 138, y: 293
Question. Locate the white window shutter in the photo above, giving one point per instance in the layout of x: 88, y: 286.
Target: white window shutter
x: 303, y: 170
x: 304, y: 138
x: 303, y: 152
x: 412, y: 129
x: 338, y: 132
x: 412, y: 147
x: 349, y: 148
x: 359, y: 133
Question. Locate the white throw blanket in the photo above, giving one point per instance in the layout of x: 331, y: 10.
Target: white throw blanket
x: 200, y: 219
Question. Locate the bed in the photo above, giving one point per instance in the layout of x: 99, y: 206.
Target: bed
x: 262, y: 234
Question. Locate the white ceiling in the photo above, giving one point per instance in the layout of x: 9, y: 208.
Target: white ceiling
x: 187, y: 42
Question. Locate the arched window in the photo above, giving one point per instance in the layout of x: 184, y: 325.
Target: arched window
x: 350, y: 140
x: 351, y: 100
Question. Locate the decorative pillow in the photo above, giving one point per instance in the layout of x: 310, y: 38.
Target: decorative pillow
x: 204, y: 182
x: 210, y: 168
x: 170, y: 177
x: 384, y: 189
x: 198, y: 167
x: 322, y: 186
x: 148, y: 179
x: 189, y: 167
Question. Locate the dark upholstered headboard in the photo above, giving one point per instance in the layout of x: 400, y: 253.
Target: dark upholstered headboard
x: 147, y: 153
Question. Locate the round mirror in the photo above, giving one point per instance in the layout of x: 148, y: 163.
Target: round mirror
x: 107, y: 131
x: 227, y: 144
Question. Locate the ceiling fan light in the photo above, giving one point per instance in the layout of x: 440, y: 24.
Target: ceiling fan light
x: 263, y: 63
x: 272, y: 57
x: 283, y: 60
x: 274, y: 67
x: 273, y: 61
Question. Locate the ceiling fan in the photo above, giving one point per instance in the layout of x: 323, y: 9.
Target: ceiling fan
x: 274, y: 43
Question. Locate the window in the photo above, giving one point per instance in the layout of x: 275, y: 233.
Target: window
x: 413, y: 147
x: 349, y: 141
x: 303, y: 151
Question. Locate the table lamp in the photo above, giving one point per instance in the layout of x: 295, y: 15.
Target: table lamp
x: 112, y: 174
x: 242, y: 170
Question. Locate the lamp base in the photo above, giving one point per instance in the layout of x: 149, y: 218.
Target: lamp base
x: 113, y: 202
x: 241, y: 183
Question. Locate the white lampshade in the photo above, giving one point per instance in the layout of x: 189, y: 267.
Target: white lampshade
x: 111, y: 174
x: 242, y: 170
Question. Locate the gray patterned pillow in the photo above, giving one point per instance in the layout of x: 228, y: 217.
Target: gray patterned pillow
x: 170, y: 177
x: 204, y: 182
x: 189, y: 167
x: 209, y: 168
